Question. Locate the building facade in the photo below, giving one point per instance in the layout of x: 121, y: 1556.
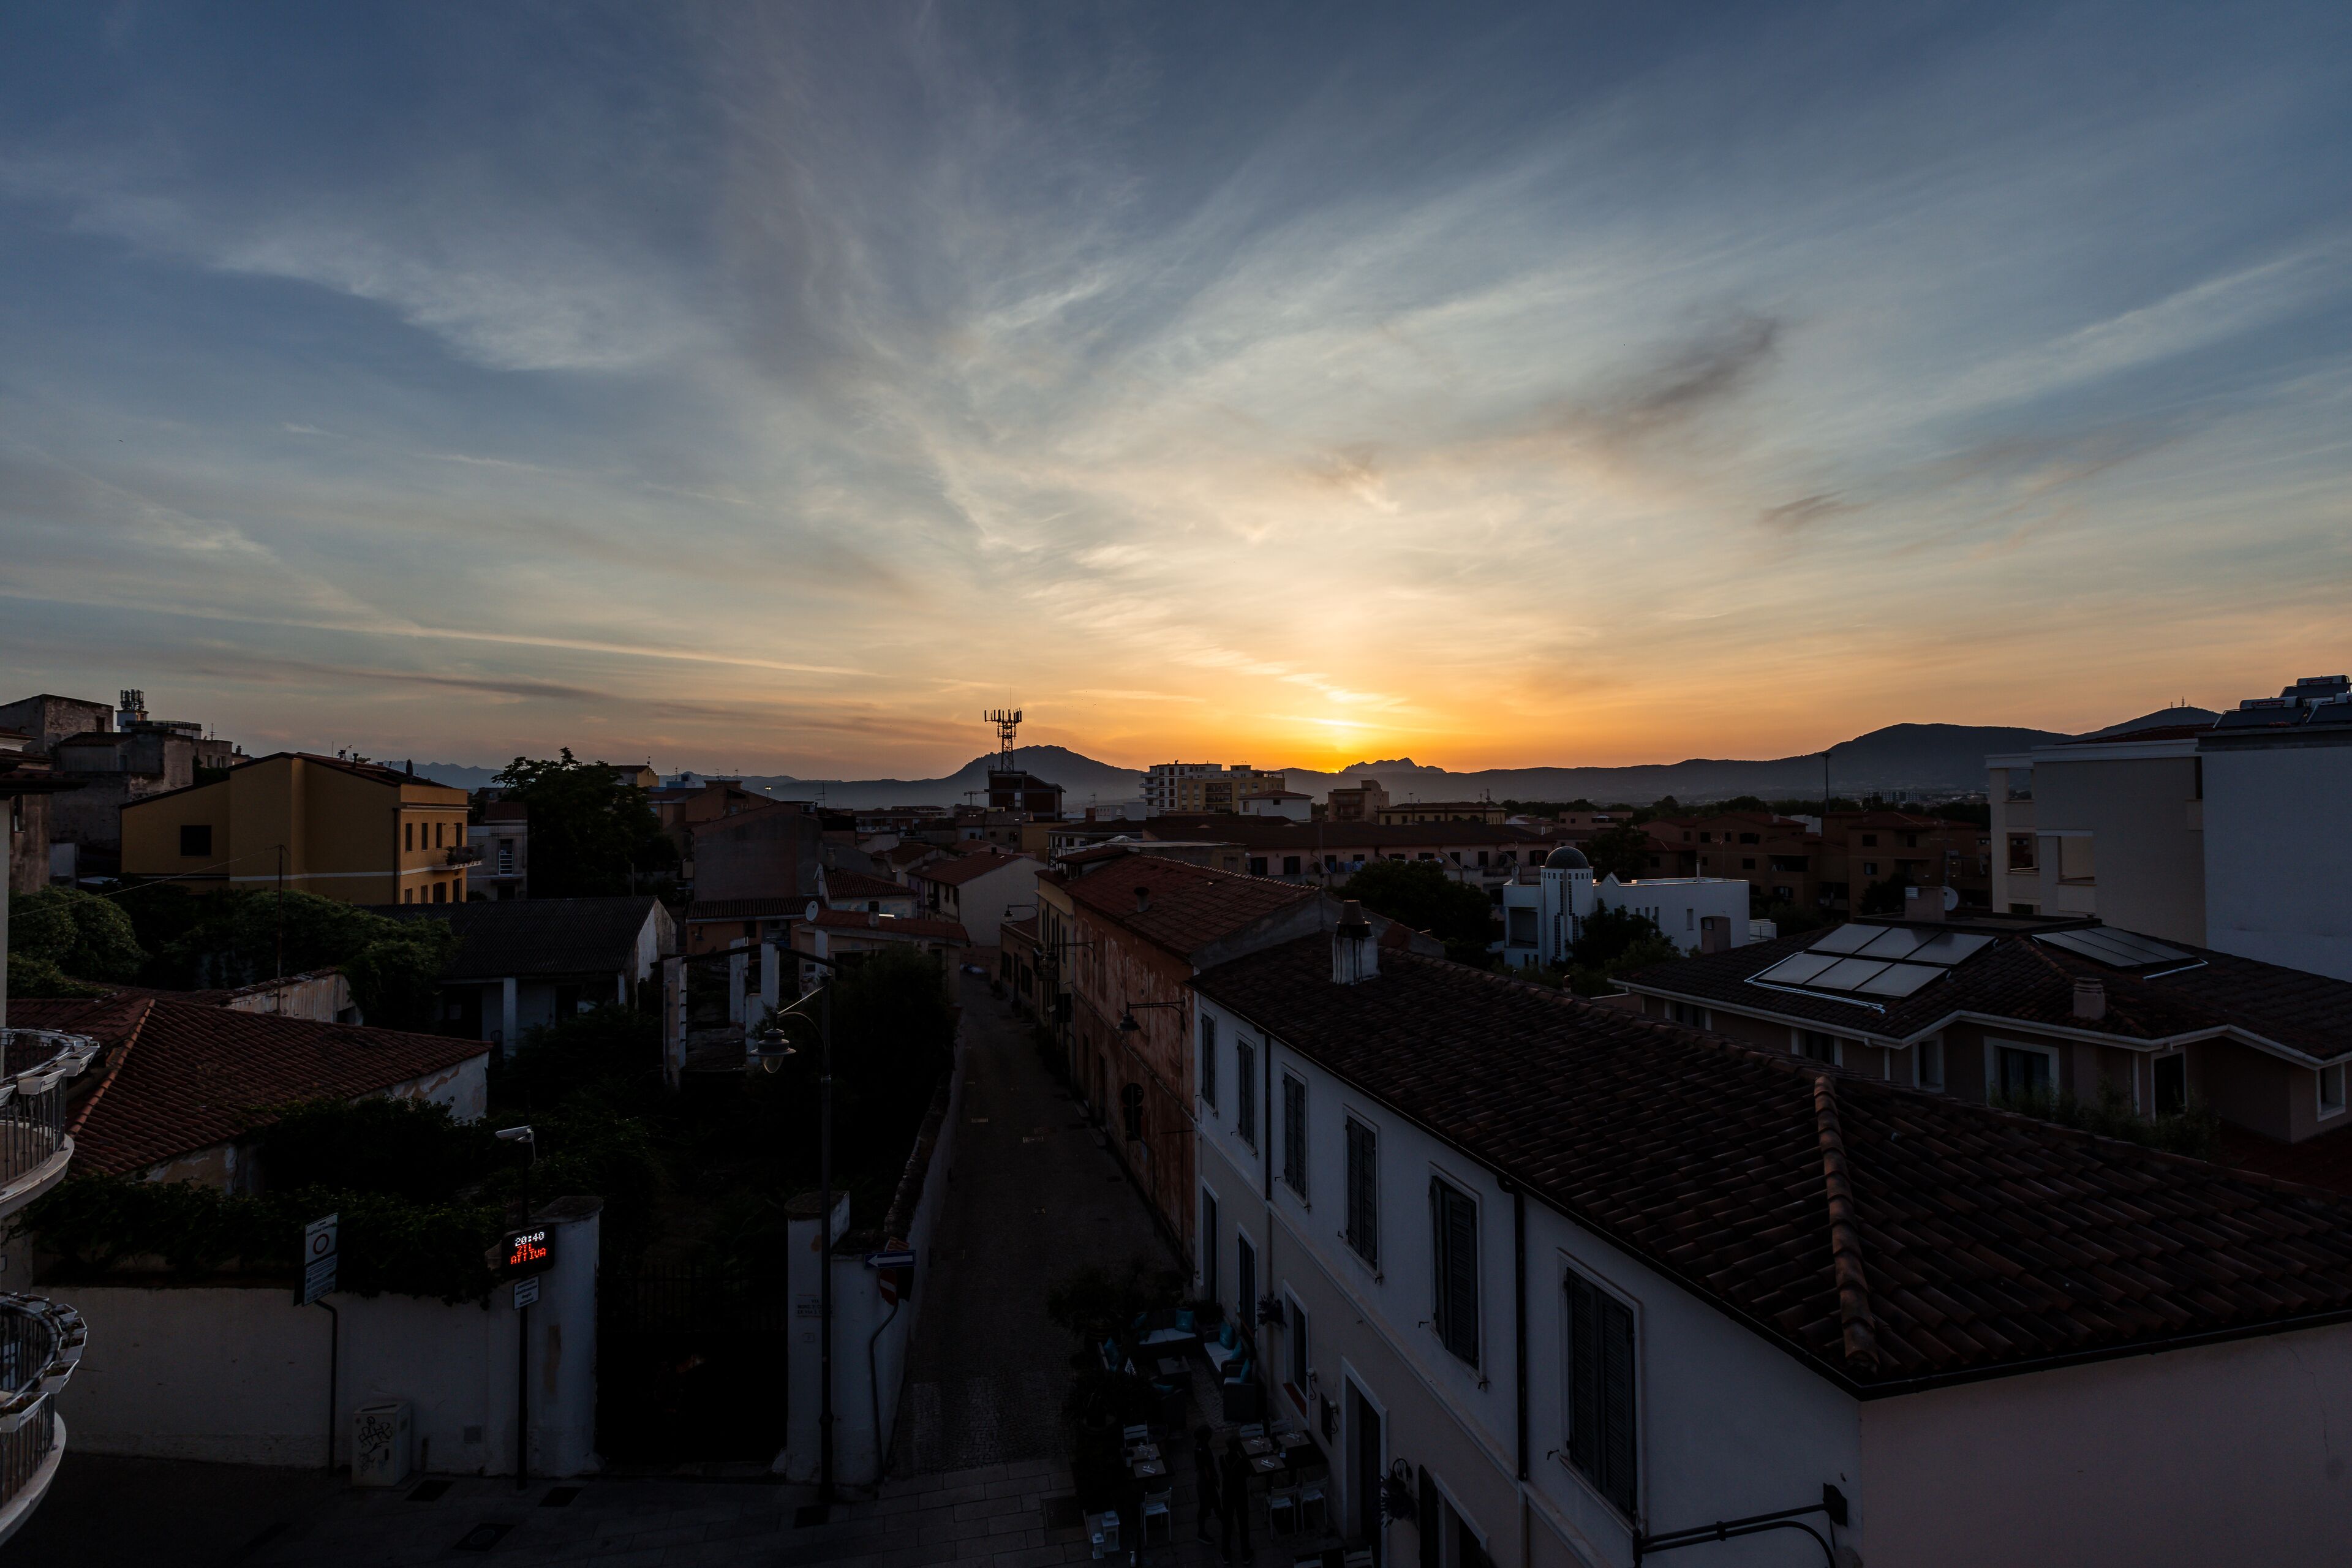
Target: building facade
x: 1171, y: 787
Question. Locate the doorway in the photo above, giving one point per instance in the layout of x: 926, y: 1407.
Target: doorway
x: 1366, y: 1468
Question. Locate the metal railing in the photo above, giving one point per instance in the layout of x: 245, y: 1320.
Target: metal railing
x: 33, y: 1067
x: 40, y: 1344
x: 466, y: 854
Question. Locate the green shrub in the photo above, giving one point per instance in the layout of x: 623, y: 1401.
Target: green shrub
x: 2194, y: 1131
x: 79, y: 933
x: 410, y: 1148
x: 31, y: 978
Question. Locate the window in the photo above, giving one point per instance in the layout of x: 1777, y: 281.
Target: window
x: 1689, y: 1013
x: 2171, y: 1084
x: 409, y: 836
x: 1209, y: 1062
x: 1750, y: 838
x: 1454, y: 1219
x: 1298, y: 1349
x: 1293, y: 1134
x: 1130, y: 1110
x: 1245, y: 1090
x: 1245, y: 1284
x: 1870, y: 868
x: 1208, y: 1244
x: 2331, y: 1090
x: 1258, y: 865
x: 440, y: 892
x: 1928, y: 1059
x: 195, y: 839
x: 1870, y: 841
x: 1601, y: 1391
x: 2022, y: 1070
x: 1364, y: 1191
x: 1290, y: 865
x: 437, y: 835
x: 1815, y: 1046
x: 1747, y: 862
x: 1690, y: 919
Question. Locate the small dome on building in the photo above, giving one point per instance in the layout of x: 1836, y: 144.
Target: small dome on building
x: 1567, y: 858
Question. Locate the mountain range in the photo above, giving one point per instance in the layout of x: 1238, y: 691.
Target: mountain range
x: 1920, y: 759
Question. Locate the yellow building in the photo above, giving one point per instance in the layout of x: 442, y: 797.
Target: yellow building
x: 347, y: 830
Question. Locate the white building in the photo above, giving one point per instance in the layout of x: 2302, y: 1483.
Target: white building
x: 1564, y: 1281
x: 1289, y: 805
x: 2231, y: 835
x: 1541, y: 920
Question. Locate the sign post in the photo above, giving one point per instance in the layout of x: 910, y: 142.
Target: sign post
x: 523, y: 1255
x: 319, y: 1242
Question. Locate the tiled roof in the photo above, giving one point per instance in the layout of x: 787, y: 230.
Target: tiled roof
x: 538, y: 936
x: 1190, y: 906
x: 904, y: 854
x: 181, y: 1076
x: 969, y: 868
x: 891, y: 925
x: 1884, y: 1236
x: 1276, y: 833
x: 858, y: 884
x: 2033, y: 982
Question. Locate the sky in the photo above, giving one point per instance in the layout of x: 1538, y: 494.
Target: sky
x: 775, y: 388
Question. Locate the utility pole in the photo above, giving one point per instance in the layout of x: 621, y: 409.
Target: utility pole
x: 824, y: 1250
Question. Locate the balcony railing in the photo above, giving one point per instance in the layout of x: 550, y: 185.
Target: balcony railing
x: 40, y: 1343
x: 33, y: 1067
x: 466, y: 854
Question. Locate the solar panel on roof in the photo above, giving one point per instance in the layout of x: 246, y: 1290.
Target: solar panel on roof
x: 1845, y: 939
x: 1899, y: 979
x: 1895, y: 941
x: 1799, y: 968
x: 1848, y: 973
x: 2116, y: 949
x: 1951, y: 947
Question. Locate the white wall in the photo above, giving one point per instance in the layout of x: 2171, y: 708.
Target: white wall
x: 1726, y: 1425
x: 239, y: 1375
x: 2278, y: 854
x: 2226, y: 1454
x: 981, y: 903
x: 1679, y: 903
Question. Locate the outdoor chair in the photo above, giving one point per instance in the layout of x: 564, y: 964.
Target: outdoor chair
x: 1357, y: 1557
x: 1282, y: 1510
x: 1314, y: 1513
x: 1158, y: 1517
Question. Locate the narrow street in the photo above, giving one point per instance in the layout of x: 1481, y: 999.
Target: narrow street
x: 1033, y: 1195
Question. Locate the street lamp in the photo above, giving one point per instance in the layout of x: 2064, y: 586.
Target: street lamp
x: 1126, y: 1024
x: 773, y: 1050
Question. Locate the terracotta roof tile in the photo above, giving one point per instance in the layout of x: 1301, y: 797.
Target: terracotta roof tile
x: 181, y: 1076
x: 1943, y: 1240
x: 891, y: 925
x: 971, y: 867
x: 1190, y: 906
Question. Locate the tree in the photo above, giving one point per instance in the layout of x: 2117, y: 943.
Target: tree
x: 1622, y: 852
x: 75, y: 933
x: 1420, y: 894
x: 591, y: 833
x: 1743, y: 803
x: 1884, y: 898
x: 242, y: 938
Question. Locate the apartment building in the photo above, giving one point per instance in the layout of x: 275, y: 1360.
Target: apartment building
x: 2227, y: 834
x: 1420, y: 811
x: 979, y: 890
x: 336, y: 827
x: 1554, y: 1284
x: 1171, y: 787
x: 502, y: 837
x: 1327, y: 852
x: 1779, y: 858
x: 1359, y: 802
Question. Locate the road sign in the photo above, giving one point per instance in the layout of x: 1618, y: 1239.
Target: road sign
x: 900, y: 1259
x: 531, y: 1251
x: 526, y: 1292
x: 319, y: 1240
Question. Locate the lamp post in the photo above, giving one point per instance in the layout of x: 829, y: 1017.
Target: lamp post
x: 773, y: 1050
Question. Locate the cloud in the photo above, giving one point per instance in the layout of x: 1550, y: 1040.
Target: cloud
x: 1795, y: 516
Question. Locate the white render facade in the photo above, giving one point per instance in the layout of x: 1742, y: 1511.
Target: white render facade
x: 2216, y: 1453
x: 1541, y: 919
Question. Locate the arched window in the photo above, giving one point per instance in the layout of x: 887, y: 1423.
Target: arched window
x: 1130, y: 1110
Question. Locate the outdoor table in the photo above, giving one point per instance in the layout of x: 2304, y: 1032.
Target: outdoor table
x: 1172, y: 1366
x: 1269, y: 1463
x: 1254, y: 1446
x: 1145, y: 1469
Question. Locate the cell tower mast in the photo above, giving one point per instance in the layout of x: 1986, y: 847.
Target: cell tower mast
x: 1008, y: 722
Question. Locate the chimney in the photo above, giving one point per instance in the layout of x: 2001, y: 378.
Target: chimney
x: 1142, y: 899
x: 412, y: 767
x: 1924, y: 904
x: 2090, y: 998
x: 1354, y: 954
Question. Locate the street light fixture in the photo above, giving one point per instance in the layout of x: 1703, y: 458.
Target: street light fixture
x: 1126, y: 1024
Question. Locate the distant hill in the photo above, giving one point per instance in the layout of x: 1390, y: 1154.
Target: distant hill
x: 457, y: 774
x: 1085, y: 781
x: 2163, y: 717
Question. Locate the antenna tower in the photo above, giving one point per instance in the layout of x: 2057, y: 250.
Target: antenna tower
x: 1008, y: 722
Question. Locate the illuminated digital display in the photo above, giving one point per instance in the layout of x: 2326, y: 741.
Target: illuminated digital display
x: 527, y: 1252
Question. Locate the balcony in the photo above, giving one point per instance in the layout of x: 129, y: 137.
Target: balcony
x: 40, y: 1343
x: 34, y: 1148
x: 464, y: 855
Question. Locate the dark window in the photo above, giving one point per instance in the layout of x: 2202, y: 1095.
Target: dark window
x: 1601, y: 1391
x: 1293, y: 1134
x: 1208, y: 1247
x: 1455, y: 1218
x: 1290, y: 865
x: 1817, y: 1047
x: 1209, y: 1061
x: 195, y: 839
x: 1258, y: 865
x: 1299, y: 1348
x: 1245, y: 1283
x: 1750, y: 838
x: 1364, y: 1191
x: 1870, y: 841
x: 2022, y: 1072
x: 409, y: 836
x: 440, y: 892
x: 1245, y: 1091
x: 1130, y: 1110
x: 2172, y: 1085
x: 1747, y: 862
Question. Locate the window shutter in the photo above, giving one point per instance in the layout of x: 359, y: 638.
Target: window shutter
x: 1294, y: 1135
x: 1209, y: 1061
x: 1457, y: 1219
x: 1425, y: 1519
x: 1617, y: 1405
x: 1363, y: 1194
x: 1583, y: 1377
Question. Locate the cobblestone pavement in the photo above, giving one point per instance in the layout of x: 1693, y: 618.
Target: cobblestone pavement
x: 1033, y: 1195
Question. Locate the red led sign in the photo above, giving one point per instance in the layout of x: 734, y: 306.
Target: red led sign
x: 527, y: 1252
